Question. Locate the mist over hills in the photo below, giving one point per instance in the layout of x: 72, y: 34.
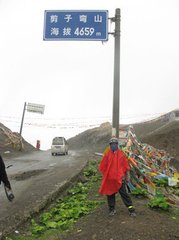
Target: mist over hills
x: 161, y: 132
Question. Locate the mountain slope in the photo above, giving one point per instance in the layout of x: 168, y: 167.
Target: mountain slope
x: 162, y: 133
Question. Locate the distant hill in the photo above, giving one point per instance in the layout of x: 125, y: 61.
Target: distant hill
x: 94, y: 139
x: 167, y: 137
x: 12, y: 143
x: 157, y: 124
x: 162, y: 133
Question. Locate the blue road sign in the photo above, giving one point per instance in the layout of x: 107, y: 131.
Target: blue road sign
x: 76, y: 25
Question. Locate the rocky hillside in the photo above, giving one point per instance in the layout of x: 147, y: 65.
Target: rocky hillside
x: 94, y: 139
x: 162, y: 133
x: 167, y: 138
x: 12, y: 143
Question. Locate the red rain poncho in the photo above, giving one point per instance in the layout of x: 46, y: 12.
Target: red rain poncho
x: 113, y: 166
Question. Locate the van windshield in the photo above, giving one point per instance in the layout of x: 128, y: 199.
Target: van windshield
x: 57, y: 141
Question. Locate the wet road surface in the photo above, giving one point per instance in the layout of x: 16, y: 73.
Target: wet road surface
x: 36, y: 179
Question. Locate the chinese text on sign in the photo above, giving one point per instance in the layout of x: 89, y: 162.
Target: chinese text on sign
x: 76, y: 25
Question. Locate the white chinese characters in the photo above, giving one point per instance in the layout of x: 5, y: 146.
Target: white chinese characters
x: 55, y: 31
x: 74, y: 25
x: 68, y: 17
x: 53, y: 18
x: 98, y: 18
x: 67, y: 31
x: 83, y: 18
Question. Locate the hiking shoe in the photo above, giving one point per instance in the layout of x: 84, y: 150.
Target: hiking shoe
x: 112, y: 212
x: 9, y: 194
x: 132, y: 214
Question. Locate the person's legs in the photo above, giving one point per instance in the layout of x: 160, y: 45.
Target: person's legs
x: 126, y: 199
x: 111, y: 204
x: 3, y: 174
x: 111, y: 201
x: 4, y: 179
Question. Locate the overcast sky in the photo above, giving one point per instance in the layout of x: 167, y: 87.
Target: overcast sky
x: 75, y: 78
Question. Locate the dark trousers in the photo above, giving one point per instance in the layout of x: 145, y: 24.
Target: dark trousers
x: 125, y: 198
x: 3, y: 174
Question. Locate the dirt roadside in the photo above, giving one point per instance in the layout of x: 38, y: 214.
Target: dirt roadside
x: 148, y: 225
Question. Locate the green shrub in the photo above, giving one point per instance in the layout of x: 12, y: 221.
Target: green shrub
x: 139, y: 192
x: 91, y: 169
x: 159, y: 202
x: 177, y: 192
x: 163, y: 182
x: 70, y: 208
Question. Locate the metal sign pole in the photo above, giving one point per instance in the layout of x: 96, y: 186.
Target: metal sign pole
x: 116, y: 86
x: 22, y: 121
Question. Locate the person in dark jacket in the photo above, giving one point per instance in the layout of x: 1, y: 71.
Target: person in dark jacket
x: 5, y: 180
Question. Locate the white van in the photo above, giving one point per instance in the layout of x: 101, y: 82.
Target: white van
x: 59, y: 146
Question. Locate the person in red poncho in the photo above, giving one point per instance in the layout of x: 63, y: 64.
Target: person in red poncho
x: 115, y: 170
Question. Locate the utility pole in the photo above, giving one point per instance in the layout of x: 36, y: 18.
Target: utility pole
x: 22, y: 121
x: 116, y: 86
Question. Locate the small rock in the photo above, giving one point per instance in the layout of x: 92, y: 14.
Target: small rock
x: 6, y: 152
x: 94, y: 236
